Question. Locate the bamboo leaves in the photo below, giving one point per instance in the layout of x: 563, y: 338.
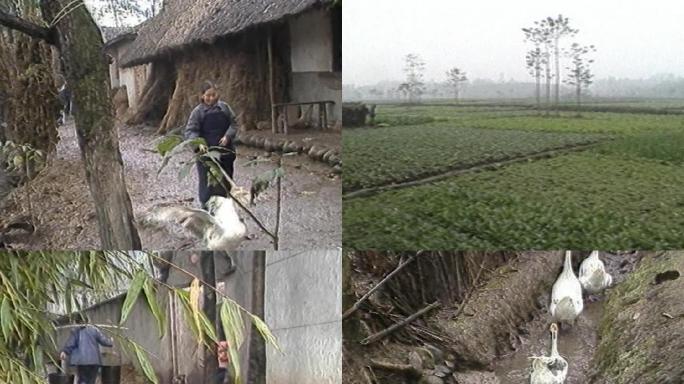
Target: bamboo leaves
x: 132, y: 295
x: 159, y: 315
x: 144, y: 362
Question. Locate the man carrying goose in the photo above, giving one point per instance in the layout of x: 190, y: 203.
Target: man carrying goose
x: 565, y: 307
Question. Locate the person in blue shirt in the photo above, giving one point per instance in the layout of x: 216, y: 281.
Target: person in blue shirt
x: 214, y: 121
x: 82, y: 350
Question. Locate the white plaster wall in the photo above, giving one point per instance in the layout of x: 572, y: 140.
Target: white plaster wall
x: 311, y: 42
x: 303, y: 307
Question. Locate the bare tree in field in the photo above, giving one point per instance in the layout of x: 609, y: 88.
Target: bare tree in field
x: 455, y: 77
x: 534, y: 60
x: 540, y: 36
x: 414, y: 86
x: 122, y: 10
x: 558, y: 28
x: 580, y: 75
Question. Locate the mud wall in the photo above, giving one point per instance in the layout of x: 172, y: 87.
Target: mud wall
x: 239, y: 67
x: 303, y: 308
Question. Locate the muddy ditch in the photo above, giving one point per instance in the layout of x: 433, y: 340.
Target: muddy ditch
x: 631, y: 334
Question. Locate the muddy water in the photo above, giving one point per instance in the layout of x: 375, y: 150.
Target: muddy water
x: 576, y: 344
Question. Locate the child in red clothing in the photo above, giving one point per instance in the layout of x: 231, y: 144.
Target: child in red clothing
x: 223, y: 361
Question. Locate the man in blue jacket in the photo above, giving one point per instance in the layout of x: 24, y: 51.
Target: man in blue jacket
x: 83, y: 350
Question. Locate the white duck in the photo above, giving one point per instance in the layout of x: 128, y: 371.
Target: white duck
x: 552, y: 369
x: 593, y: 275
x: 219, y: 227
x: 566, y: 295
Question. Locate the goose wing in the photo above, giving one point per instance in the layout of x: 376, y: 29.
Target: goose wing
x: 196, y: 221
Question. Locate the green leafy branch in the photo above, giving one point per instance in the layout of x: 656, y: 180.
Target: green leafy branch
x: 172, y: 145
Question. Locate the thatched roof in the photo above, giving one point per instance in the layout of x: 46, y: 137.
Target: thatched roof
x: 110, y: 33
x: 181, y: 23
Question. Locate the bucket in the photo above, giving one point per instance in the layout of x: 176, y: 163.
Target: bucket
x: 111, y: 374
x: 60, y: 378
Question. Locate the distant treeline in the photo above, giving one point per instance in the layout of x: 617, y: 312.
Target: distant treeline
x: 661, y: 86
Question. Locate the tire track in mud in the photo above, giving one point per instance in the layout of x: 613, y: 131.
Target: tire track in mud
x: 471, y: 168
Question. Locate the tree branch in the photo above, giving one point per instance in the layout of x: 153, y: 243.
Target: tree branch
x: 27, y: 27
x: 365, y: 297
x: 394, y: 327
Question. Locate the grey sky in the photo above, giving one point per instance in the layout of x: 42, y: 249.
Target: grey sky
x: 635, y: 39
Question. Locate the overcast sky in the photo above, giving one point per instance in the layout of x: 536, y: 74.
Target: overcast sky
x: 634, y: 39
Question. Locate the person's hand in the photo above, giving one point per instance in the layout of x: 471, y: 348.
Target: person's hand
x: 224, y: 141
x: 63, y: 356
x: 202, y: 148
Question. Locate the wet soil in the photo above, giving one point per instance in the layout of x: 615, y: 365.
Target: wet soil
x: 576, y: 344
x: 66, y: 220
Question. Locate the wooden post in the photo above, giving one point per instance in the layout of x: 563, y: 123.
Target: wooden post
x: 271, y: 81
x: 286, y: 119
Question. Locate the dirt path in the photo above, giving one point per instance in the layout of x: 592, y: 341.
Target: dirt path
x: 311, y: 197
x: 577, y: 344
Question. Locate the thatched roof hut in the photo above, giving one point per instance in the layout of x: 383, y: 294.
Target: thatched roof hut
x: 228, y: 41
x: 179, y: 26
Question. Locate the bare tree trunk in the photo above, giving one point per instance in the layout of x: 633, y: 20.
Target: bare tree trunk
x: 547, y: 66
x: 209, y: 309
x: 556, y: 54
x: 538, y: 89
x: 579, y: 95
x: 257, y: 345
x: 86, y: 70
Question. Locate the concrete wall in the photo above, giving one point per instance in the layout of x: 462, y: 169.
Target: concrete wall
x: 311, y: 52
x: 307, y: 86
x: 311, y: 42
x: 304, y: 309
x: 142, y: 327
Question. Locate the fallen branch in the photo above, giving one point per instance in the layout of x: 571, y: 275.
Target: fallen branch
x: 405, y: 369
x: 365, y: 297
x: 387, y: 331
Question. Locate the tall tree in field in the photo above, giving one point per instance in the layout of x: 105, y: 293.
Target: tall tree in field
x: 579, y: 74
x: 123, y: 12
x: 534, y: 60
x: 71, y: 29
x: 455, y: 77
x: 558, y: 28
x: 414, y: 69
x: 539, y: 35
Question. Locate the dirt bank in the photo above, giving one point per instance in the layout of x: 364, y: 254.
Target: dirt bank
x: 642, y: 329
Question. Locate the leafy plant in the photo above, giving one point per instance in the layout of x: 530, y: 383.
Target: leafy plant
x: 34, y: 284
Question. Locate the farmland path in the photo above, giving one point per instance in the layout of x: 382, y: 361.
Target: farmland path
x: 473, y: 168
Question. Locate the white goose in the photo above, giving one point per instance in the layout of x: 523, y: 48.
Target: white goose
x: 552, y: 369
x: 219, y: 227
x: 593, y: 275
x: 566, y: 295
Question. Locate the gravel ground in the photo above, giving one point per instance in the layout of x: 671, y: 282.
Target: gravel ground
x: 66, y: 218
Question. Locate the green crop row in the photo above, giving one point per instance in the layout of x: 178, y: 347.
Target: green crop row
x: 573, y: 201
x: 380, y: 156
